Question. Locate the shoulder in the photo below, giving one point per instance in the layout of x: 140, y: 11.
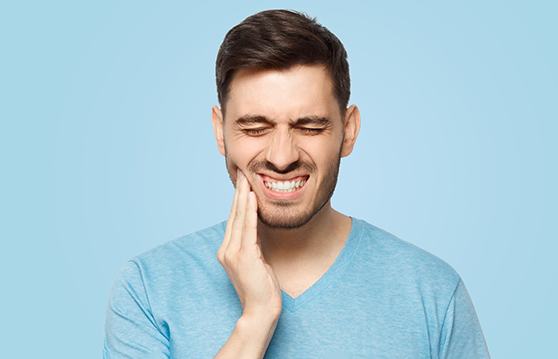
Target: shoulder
x: 199, y: 247
x: 156, y: 278
x: 406, y: 262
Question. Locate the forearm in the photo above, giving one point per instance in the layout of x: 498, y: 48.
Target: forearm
x: 249, y: 339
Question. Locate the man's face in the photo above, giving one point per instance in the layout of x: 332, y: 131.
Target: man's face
x: 283, y: 128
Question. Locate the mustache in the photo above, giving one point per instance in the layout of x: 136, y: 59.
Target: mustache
x: 271, y: 167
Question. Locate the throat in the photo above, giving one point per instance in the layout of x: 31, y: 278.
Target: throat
x: 300, y: 266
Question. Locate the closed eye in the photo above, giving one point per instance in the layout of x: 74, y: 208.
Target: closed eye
x: 254, y: 131
x: 312, y: 131
x: 261, y: 131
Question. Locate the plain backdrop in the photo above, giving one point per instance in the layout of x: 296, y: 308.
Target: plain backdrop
x: 107, y: 151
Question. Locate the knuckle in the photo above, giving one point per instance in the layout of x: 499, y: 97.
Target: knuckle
x: 229, y: 259
x: 220, y: 256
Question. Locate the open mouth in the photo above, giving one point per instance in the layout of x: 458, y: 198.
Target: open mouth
x: 283, y: 189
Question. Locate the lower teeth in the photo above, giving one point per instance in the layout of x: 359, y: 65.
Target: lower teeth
x: 285, y: 190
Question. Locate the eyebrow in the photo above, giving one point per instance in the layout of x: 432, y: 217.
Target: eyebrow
x: 248, y: 120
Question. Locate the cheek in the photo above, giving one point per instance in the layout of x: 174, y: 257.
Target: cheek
x: 323, y: 152
x: 240, y: 153
x: 239, y: 156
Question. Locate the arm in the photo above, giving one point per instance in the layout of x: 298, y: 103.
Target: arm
x: 250, y: 338
x: 131, y: 330
x: 253, y: 279
x: 461, y: 334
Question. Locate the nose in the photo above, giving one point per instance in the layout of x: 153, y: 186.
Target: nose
x: 282, y: 150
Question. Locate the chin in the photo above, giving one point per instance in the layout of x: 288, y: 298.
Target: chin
x: 284, y: 217
x: 284, y: 222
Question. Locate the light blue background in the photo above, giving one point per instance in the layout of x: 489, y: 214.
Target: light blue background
x: 107, y: 151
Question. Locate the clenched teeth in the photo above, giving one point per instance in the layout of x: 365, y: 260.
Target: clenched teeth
x: 284, y: 186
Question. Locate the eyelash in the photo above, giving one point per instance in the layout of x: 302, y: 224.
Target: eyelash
x: 259, y: 131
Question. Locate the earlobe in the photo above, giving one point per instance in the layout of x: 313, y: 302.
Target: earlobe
x: 352, y: 128
x: 218, y: 128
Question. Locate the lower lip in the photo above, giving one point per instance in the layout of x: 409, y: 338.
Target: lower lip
x: 283, y: 195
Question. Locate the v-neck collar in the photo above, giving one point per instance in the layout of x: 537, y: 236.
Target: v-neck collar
x: 334, y: 271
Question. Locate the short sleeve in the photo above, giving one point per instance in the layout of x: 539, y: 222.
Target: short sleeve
x: 131, y: 330
x: 461, y: 334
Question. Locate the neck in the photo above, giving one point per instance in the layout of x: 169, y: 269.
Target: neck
x: 324, y: 233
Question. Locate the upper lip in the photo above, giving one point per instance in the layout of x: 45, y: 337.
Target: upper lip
x: 273, y: 177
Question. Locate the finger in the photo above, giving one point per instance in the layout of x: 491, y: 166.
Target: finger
x: 232, y: 215
x: 251, y: 223
x: 238, y: 222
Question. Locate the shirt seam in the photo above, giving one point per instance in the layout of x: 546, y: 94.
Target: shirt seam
x: 452, y: 297
x: 148, y: 300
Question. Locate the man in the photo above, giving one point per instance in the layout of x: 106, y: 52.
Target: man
x: 287, y: 276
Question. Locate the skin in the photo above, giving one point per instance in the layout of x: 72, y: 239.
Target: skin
x: 272, y: 245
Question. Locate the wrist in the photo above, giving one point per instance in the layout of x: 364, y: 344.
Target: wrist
x: 254, y: 325
x: 259, y: 315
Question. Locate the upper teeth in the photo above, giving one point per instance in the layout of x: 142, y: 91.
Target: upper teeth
x: 285, y: 186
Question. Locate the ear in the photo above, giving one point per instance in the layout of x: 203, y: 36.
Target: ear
x: 218, y: 128
x: 352, y: 128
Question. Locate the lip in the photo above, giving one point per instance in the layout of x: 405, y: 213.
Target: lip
x: 282, y: 195
x: 269, y: 178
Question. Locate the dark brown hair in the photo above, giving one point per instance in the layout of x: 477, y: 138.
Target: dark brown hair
x: 279, y: 39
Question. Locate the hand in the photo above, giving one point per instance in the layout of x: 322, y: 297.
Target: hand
x: 240, y: 255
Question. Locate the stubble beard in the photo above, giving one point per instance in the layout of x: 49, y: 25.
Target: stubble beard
x: 283, y: 214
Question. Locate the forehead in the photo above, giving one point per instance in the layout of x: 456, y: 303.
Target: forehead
x: 298, y: 91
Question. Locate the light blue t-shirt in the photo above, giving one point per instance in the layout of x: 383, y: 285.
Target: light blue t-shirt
x: 381, y: 298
